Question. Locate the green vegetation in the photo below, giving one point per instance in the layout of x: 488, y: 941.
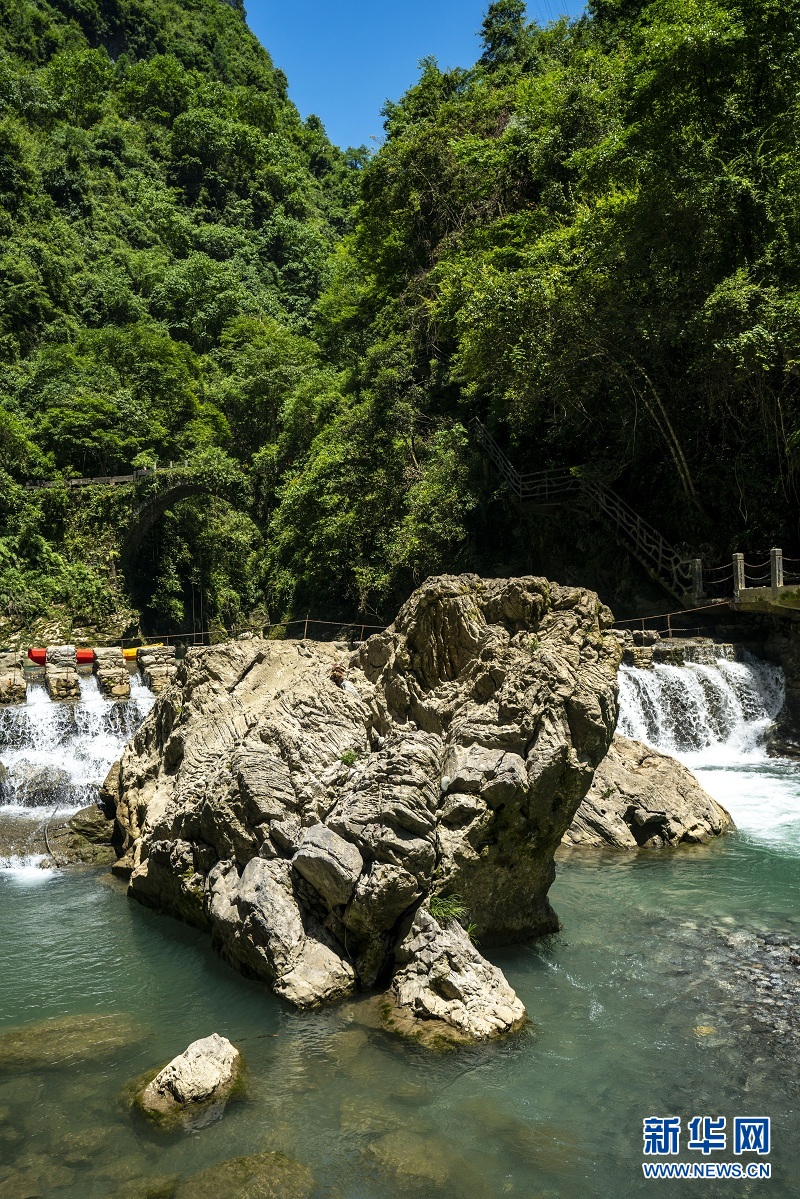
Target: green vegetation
x: 448, y: 907
x: 590, y: 239
x: 166, y: 228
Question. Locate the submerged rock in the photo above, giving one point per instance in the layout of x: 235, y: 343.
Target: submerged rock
x: 192, y: 1090
x: 302, y: 807
x: 86, y: 837
x: 157, y: 1186
x: 33, y: 785
x: 444, y: 992
x: 65, y: 1040
x: 643, y: 799
x: 413, y: 1160
x: 259, y: 1176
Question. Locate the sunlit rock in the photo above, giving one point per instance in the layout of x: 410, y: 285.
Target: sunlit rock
x: 643, y: 799
x: 302, y: 807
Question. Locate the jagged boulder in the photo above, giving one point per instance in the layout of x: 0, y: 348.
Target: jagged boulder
x: 302, y: 807
x: 643, y: 799
x: 444, y: 992
x: 192, y: 1090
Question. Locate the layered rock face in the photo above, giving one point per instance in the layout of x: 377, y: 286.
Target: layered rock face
x: 643, y: 799
x: 303, y: 803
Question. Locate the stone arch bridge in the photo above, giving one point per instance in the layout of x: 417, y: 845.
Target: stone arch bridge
x: 151, y: 493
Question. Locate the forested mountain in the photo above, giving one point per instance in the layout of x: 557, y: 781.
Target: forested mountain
x: 590, y: 239
x: 167, y: 222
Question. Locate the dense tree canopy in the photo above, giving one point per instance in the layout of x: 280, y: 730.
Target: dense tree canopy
x: 590, y: 239
x: 166, y: 222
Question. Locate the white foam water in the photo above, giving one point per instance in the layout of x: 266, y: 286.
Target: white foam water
x: 56, y: 755
x: 33, y: 867
x: 715, y: 718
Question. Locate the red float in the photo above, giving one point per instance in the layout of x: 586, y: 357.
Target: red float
x: 39, y: 656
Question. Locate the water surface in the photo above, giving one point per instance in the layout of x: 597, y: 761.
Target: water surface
x: 630, y: 1017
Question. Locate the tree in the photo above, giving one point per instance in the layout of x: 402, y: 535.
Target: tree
x: 503, y: 33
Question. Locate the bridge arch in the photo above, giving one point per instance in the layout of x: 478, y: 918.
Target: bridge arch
x: 149, y: 510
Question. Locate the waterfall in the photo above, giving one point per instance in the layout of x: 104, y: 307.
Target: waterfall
x: 719, y: 712
x: 56, y: 755
x: 715, y: 717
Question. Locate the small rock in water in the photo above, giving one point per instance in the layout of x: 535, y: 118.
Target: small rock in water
x: 259, y: 1176
x: 65, y: 1040
x: 193, y: 1089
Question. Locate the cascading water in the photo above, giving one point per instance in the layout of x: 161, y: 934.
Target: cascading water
x: 715, y: 717
x: 54, y: 756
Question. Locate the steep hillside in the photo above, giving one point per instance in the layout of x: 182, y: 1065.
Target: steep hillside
x: 590, y: 240
x: 166, y: 223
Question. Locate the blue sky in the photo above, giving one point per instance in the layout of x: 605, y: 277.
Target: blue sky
x: 344, y: 58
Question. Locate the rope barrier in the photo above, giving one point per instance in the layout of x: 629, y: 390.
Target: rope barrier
x: 710, y: 570
x: 677, y: 612
x: 192, y: 637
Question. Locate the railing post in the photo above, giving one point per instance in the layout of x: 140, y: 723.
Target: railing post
x: 776, y: 569
x: 697, y: 579
x: 739, y: 583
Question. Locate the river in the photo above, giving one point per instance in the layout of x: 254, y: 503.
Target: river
x: 636, y: 1007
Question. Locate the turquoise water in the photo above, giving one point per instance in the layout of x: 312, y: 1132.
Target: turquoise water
x: 615, y: 1001
x: 634, y: 1008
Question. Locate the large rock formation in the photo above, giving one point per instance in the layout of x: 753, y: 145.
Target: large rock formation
x: 643, y: 799
x: 303, y: 804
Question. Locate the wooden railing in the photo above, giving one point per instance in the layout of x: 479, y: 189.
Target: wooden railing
x: 660, y: 559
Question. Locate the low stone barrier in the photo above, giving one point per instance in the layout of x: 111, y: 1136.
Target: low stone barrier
x: 158, y: 666
x: 113, y: 677
x: 61, y: 672
x: 12, y: 679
